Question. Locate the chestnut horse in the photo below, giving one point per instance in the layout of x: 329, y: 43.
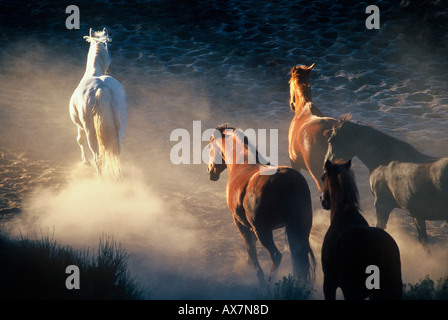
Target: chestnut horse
x: 400, y: 176
x: 307, y: 142
x: 263, y: 198
x: 351, y: 248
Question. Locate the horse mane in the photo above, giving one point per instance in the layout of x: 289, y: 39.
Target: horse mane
x: 242, y: 138
x: 223, y: 127
x: 300, y: 80
x: 98, y: 56
x: 345, y: 117
x: 402, y: 148
x: 98, y: 36
x: 347, y: 180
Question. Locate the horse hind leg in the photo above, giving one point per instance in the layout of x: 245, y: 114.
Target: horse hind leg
x: 316, y: 172
x: 267, y: 240
x: 93, y: 145
x: 250, y: 242
x: 81, y: 139
x: 421, y: 232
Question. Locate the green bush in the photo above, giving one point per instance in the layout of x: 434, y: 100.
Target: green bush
x: 427, y: 289
x: 35, y: 269
x: 289, y: 288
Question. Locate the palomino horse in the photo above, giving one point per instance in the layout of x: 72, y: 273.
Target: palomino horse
x: 307, y: 142
x: 263, y: 198
x: 98, y: 108
x: 351, y: 247
x: 400, y: 176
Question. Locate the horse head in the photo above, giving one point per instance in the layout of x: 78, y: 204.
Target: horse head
x: 299, y: 86
x: 217, y: 163
x: 99, y: 55
x: 98, y: 36
x: 338, y: 186
x: 340, y: 140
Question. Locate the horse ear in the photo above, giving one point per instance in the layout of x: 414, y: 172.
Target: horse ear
x: 222, y: 127
x: 293, y: 70
x: 308, y: 70
x: 348, y: 164
x: 90, y: 32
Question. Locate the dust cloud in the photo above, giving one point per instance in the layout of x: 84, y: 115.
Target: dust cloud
x: 171, y: 220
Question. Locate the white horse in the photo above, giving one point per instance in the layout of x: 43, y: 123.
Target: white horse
x: 98, y: 108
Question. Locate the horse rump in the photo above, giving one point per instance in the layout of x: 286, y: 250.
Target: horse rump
x: 361, y: 247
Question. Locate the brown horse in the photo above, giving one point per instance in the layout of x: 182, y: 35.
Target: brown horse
x: 307, y: 142
x: 263, y: 198
x: 351, y: 247
x: 400, y: 176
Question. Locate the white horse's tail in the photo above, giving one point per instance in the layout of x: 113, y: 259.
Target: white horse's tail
x: 107, y: 134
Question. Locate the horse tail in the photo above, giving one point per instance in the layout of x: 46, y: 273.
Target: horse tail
x: 107, y: 134
x: 298, y: 228
x: 302, y: 255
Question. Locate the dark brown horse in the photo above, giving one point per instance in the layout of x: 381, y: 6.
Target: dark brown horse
x: 400, y: 176
x: 307, y: 142
x: 350, y: 246
x: 263, y: 198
